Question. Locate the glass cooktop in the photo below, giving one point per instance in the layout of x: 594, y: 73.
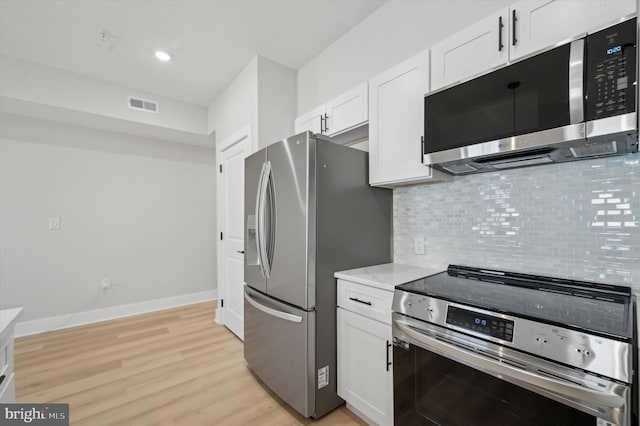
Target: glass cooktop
x: 593, y: 307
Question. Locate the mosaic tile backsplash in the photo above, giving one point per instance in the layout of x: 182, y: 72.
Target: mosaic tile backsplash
x: 576, y: 220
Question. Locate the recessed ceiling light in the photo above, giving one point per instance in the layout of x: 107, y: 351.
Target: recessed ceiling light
x: 163, y: 56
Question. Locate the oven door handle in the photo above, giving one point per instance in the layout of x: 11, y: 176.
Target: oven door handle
x: 567, y: 390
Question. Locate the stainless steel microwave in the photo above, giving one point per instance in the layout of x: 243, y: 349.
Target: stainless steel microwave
x: 572, y: 102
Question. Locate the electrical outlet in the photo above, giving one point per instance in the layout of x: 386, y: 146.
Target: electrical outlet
x: 418, y: 245
x: 105, y: 284
x: 54, y: 223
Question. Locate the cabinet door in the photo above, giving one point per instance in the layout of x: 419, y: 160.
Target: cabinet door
x: 348, y: 110
x: 8, y: 390
x: 364, y: 379
x: 478, y: 48
x: 396, y: 122
x: 542, y: 23
x: 312, y: 121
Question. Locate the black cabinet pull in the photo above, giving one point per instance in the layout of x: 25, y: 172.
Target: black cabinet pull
x: 388, y: 362
x: 326, y: 123
x: 241, y: 251
x: 514, y: 19
x: 355, y: 299
x: 500, y: 27
x: 2, y: 378
x: 321, y: 124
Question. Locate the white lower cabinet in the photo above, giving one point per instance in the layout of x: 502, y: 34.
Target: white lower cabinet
x: 365, y: 364
x: 8, y: 319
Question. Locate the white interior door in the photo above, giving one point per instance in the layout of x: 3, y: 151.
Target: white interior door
x: 231, y: 154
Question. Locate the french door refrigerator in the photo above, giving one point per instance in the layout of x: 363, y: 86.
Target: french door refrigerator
x: 309, y: 212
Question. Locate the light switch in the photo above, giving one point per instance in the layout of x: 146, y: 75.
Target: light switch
x: 54, y: 223
x: 418, y: 245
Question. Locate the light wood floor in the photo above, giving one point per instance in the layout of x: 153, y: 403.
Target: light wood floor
x: 169, y: 367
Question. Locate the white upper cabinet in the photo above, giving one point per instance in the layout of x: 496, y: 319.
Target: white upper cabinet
x: 348, y: 110
x: 339, y: 115
x: 526, y: 27
x: 312, y: 121
x: 396, y: 124
x: 542, y: 23
x: 481, y: 46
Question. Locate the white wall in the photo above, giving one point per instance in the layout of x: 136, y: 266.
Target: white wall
x: 262, y: 95
x: 138, y: 211
x: 40, y: 84
x: 276, y: 101
x: 237, y: 105
x: 395, y: 32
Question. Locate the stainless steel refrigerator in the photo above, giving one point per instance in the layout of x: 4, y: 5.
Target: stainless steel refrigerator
x: 309, y: 212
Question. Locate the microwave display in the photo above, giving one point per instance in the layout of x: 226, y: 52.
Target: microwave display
x: 611, y: 70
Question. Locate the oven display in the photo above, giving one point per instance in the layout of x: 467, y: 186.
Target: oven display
x: 481, y: 323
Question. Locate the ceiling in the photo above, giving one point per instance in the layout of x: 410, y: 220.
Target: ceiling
x: 211, y: 41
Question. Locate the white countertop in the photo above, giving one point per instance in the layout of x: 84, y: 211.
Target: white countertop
x: 387, y: 275
x: 7, y: 318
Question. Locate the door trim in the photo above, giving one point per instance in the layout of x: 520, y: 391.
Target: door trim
x: 239, y: 136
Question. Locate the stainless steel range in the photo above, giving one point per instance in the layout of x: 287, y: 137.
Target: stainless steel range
x: 483, y: 347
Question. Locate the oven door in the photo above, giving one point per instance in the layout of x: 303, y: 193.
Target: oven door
x: 443, y: 377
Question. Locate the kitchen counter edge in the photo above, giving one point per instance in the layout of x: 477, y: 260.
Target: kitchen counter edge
x: 387, y: 275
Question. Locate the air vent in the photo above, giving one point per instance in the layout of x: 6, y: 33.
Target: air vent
x: 459, y: 168
x: 594, y: 149
x: 513, y: 363
x: 530, y: 161
x: 143, y: 104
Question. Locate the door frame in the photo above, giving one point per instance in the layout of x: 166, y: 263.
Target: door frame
x: 236, y: 137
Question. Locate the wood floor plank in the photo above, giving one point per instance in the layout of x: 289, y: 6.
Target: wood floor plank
x: 172, y: 367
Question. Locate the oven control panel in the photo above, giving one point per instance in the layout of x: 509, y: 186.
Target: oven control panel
x: 489, y: 325
x: 600, y: 355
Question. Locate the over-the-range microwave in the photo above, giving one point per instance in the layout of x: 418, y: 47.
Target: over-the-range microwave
x: 574, y: 101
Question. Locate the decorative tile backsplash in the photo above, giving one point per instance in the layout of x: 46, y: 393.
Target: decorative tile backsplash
x: 576, y: 220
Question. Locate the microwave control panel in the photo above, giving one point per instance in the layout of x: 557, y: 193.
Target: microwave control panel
x: 611, y: 71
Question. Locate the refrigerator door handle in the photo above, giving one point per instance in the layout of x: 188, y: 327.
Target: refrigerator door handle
x: 262, y: 207
x: 271, y: 236
x: 273, y: 312
x: 258, y: 224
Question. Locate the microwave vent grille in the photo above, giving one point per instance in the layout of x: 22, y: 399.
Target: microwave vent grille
x: 594, y: 149
x: 459, y: 168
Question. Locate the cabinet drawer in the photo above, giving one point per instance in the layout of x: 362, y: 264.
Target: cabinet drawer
x: 368, y: 301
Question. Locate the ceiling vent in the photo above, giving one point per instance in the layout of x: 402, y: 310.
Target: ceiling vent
x: 143, y: 105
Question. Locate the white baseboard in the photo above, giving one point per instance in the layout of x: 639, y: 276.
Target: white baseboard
x: 28, y: 328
